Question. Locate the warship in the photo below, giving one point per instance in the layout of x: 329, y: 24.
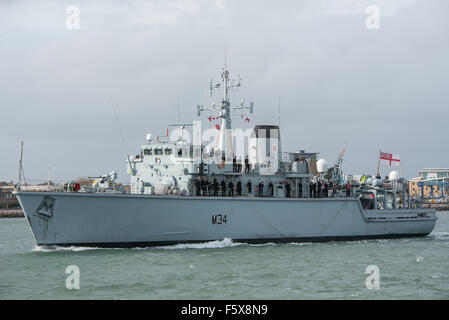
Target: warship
x: 238, y: 185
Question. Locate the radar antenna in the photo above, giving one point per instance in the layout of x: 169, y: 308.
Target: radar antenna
x: 224, y: 108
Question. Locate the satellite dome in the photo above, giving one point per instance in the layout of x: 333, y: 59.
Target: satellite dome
x: 321, y: 165
x: 394, y: 175
x: 149, y: 137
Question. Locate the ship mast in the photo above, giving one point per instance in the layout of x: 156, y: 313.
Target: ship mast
x: 19, y: 178
x: 224, y: 146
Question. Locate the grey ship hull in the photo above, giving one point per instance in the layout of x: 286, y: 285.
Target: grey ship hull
x: 119, y: 220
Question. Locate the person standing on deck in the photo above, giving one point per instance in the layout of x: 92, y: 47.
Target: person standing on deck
x: 246, y: 164
x: 239, y: 188
x: 231, y: 188
x: 326, y: 189
x: 261, y: 189
x: 249, y: 186
x: 287, y: 187
x: 223, y: 187
x: 270, y: 189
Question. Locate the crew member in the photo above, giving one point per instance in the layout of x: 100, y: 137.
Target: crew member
x: 270, y: 189
x: 231, y: 188
x: 223, y: 187
x: 246, y: 164
x: 287, y: 188
x: 198, y: 187
x: 249, y: 186
x: 239, y: 188
x: 348, y: 189
x: 204, y: 186
x: 261, y: 189
x: 319, y: 188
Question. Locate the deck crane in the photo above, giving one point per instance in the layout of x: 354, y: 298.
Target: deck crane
x: 336, y: 172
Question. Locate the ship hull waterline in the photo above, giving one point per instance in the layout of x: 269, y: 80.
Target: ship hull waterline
x: 124, y: 220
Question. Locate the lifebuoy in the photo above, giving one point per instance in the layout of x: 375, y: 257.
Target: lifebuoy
x: 221, y: 166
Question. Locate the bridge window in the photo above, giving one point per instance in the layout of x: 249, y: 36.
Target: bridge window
x: 158, y: 151
x: 179, y: 152
x: 148, y: 152
x: 168, y: 151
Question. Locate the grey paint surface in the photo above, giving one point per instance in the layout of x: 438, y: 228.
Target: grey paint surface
x: 100, y: 219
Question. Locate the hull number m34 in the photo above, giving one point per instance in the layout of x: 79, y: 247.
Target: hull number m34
x: 219, y: 219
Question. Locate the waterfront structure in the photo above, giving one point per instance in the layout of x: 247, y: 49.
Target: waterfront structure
x: 6, y: 191
x: 432, y: 183
x: 434, y: 173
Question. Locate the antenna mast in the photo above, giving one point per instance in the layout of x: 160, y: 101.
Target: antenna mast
x: 224, y: 109
x: 19, y: 179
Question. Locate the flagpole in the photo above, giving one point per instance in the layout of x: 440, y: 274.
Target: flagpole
x: 378, y: 163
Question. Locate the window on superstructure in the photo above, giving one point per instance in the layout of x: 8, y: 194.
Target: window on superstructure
x: 148, y: 152
x: 168, y: 151
x: 442, y: 174
x: 179, y: 152
x: 158, y: 151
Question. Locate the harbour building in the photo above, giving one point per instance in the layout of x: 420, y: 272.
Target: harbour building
x: 431, y: 183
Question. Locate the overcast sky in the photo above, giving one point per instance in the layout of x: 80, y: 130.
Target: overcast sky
x: 341, y: 84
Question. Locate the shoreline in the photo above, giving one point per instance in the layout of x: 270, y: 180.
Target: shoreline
x: 11, y: 213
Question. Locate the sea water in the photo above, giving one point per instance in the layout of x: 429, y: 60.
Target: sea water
x: 408, y: 268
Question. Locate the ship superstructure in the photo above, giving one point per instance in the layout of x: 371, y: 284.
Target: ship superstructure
x: 173, y: 167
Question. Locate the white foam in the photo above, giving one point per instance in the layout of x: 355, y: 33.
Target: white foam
x: 304, y: 243
x: 59, y: 248
x: 440, y: 235
x: 225, y: 243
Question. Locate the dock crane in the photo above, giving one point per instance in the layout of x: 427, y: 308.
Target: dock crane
x: 336, y: 171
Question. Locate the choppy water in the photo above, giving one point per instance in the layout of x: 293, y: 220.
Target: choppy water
x: 409, y: 269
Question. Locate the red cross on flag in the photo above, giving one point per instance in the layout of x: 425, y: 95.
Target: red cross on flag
x: 393, y: 158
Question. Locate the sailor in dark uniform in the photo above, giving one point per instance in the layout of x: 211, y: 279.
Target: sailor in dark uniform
x: 208, y: 186
x: 261, y: 189
x: 215, y: 187
x: 270, y: 189
x: 197, y: 187
x: 326, y: 189
x: 249, y: 186
x: 223, y: 187
x: 287, y: 188
x: 231, y: 188
x: 239, y: 188
x: 246, y: 165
